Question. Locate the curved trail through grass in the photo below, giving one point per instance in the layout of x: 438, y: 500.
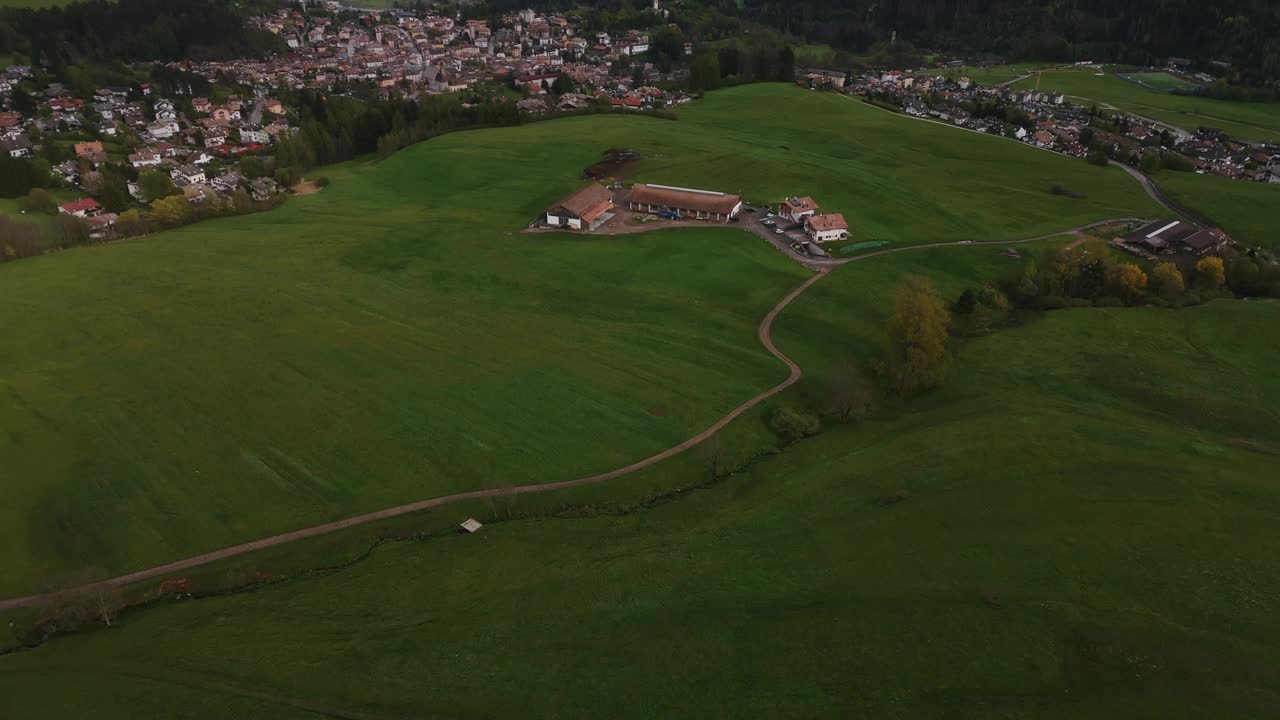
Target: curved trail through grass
x: 764, y: 333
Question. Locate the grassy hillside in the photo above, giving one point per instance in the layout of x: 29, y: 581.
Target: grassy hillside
x: 395, y: 337
x: 1246, y: 210
x: 1249, y: 121
x: 1088, y: 532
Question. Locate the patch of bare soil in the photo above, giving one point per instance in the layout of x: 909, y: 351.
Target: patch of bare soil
x: 659, y: 411
x: 617, y: 165
x: 305, y: 187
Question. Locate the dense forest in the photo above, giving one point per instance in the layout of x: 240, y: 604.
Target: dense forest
x: 129, y: 30
x: 1245, y: 33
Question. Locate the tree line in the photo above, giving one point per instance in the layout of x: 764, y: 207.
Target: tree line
x: 134, y: 30
x: 1245, y: 33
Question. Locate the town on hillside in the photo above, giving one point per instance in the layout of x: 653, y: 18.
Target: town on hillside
x: 1051, y: 121
x: 543, y: 63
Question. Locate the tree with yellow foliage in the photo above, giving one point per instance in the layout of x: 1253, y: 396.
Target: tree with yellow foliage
x: 917, y: 355
x: 172, y: 210
x: 1126, y: 281
x: 1166, y: 280
x: 1211, y: 274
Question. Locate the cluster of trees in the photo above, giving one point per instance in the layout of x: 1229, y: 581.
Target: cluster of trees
x: 1244, y: 32
x: 20, y: 239
x: 129, y: 30
x: 732, y: 65
x: 1085, y: 275
x: 334, y: 128
x: 19, y: 175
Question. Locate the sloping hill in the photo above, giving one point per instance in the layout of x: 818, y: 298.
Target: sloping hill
x: 395, y: 337
x: 1080, y: 524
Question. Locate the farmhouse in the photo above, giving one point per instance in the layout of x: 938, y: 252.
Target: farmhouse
x: 680, y: 202
x: 587, y: 207
x: 1166, y: 236
x: 796, y: 209
x: 825, y: 228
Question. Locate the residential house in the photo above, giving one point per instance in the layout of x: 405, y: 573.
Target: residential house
x: 213, y: 137
x: 144, y: 158
x: 91, y: 151
x: 796, y: 209
x: 18, y: 147
x: 82, y: 208
x: 825, y: 228
x: 254, y: 134
x: 187, y: 174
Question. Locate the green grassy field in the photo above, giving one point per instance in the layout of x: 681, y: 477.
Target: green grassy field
x: 1162, y: 81
x: 992, y: 75
x: 395, y: 338
x: 1088, y: 532
x: 1247, y: 210
x: 1248, y: 121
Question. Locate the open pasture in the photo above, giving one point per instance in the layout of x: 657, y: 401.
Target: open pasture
x: 395, y: 337
x: 1067, y: 529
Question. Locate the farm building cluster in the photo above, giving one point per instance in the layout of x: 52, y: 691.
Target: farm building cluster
x: 1168, y: 237
x: 796, y: 222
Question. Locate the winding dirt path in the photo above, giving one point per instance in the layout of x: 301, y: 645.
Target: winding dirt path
x: 764, y: 332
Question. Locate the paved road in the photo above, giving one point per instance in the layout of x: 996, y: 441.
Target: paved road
x: 1150, y: 186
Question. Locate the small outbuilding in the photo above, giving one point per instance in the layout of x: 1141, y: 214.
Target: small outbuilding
x: 587, y: 208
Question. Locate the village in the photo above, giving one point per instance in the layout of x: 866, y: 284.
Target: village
x: 542, y: 61
x: 1049, y: 121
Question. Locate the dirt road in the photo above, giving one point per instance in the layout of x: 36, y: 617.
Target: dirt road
x: 763, y: 332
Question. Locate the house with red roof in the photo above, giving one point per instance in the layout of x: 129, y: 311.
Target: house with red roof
x: 82, y: 208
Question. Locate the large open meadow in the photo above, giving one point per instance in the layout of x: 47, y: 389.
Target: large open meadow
x: 1248, y: 121
x: 396, y: 337
x: 1247, y: 210
x: 1079, y: 524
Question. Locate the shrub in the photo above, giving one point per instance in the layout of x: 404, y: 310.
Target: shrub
x: 1108, y: 301
x: 321, y: 181
x: 1080, y: 302
x: 791, y: 425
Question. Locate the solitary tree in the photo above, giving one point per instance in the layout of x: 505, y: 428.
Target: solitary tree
x: 848, y: 393
x: 1210, y: 273
x: 1166, y: 280
x: 917, y: 353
